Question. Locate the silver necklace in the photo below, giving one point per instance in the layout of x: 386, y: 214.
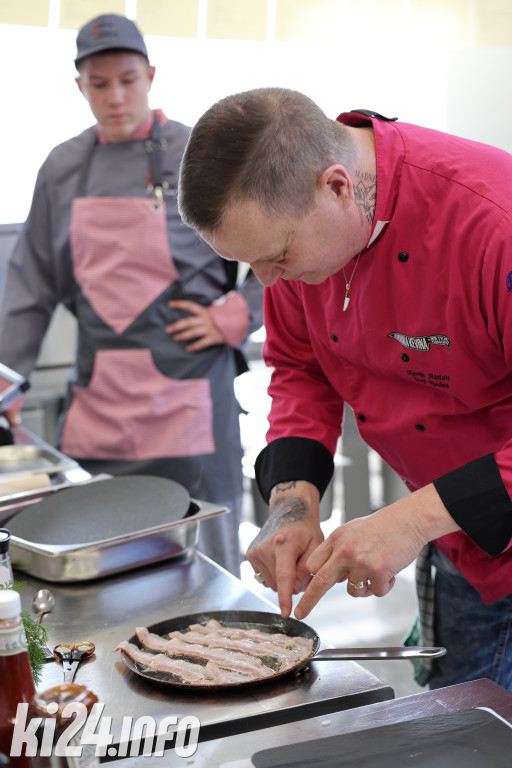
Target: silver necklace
x: 348, y: 283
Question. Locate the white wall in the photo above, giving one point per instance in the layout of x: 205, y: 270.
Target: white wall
x: 399, y: 71
x: 479, y: 95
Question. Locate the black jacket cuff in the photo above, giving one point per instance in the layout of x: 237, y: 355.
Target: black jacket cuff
x: 476, y: 498
x: 293, y: 458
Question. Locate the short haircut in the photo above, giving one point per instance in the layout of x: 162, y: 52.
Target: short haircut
x: 268, y: 145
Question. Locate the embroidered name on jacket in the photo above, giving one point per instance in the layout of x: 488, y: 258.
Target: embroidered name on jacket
x: 420, y: 343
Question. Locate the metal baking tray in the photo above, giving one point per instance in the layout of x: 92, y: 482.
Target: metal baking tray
x: 32, y: 458
x: 84, y: 562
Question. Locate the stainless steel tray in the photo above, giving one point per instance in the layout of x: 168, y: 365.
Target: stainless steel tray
x: 34, y: 459
x: 96, y: 559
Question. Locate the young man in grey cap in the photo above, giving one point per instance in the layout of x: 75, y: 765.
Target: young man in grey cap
x: 160, y: 317
x: 111, y: 54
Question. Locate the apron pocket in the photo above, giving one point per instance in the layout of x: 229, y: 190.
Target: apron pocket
x: 131, y: 411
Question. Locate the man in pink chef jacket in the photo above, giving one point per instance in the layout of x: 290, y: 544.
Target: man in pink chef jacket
x: 160, y: 318
x: 385, y: 250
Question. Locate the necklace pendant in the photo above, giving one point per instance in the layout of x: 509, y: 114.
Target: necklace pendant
x: 348, y: 283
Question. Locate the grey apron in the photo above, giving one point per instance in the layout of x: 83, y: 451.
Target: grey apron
x: 140, y: 403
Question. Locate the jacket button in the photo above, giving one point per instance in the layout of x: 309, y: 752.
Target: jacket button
x: 334, y: 337
x: 405, y: 357
x: 403, y: 257
x: 361, y: 417
x: 420, y: 427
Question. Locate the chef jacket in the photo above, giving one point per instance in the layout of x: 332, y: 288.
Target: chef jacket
x: 101, y: 240
x: 423, y: 353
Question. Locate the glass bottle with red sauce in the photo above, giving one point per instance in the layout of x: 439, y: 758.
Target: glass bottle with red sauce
x: 16, y: 681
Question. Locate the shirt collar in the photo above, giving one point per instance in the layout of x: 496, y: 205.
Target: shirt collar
x: 389, y: 149
x: 142, y: 132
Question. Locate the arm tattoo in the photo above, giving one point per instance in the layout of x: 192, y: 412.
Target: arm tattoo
x: 286, y: 486
x: 366, y: 195
x: 285, y: 512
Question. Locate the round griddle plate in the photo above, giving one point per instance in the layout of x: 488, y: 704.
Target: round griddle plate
x: 118, y: 506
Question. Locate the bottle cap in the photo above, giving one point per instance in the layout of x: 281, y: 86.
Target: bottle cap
x: 10, y: 604
x: 5, y: 537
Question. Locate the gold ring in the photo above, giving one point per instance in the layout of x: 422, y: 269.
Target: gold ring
x: 259, y: 578
x: 358, y: 584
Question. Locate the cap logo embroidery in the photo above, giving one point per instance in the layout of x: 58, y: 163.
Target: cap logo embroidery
x: 96, y: 29
x: 420, y: 343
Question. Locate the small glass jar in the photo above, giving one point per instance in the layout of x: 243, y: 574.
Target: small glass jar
x: 6, y: 578
x: 50, y: 705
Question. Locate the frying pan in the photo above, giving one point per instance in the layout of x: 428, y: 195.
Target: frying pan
x: 266, y: 622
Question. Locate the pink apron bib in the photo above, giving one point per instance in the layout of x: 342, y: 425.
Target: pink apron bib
x: 130, y: 410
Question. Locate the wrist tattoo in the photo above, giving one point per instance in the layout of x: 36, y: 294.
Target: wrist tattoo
x: 286, y: 486
x: 287, y: 511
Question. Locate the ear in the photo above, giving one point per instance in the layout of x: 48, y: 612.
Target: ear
x: 79, y: 83
x: 335, y: 181
x: 151, y: 75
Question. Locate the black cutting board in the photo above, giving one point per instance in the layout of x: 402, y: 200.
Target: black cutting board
x: 100, y: 510
x: 470, y: 738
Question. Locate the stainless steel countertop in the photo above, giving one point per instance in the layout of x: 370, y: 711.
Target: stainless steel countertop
x: 236, y: 751
x: 107, y: 611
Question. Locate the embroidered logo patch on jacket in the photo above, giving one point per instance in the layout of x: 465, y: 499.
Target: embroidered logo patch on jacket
x: 420, y: 343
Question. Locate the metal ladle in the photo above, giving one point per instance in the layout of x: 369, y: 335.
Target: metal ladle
x: 43, y: 602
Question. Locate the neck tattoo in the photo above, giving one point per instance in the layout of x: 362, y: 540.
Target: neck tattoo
x: 348, y: 283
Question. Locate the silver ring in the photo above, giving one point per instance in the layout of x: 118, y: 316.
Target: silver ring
x: 259, y: 578
x: 358, y: 584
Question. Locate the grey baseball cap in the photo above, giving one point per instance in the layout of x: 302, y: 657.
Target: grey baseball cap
x: 108, y: 32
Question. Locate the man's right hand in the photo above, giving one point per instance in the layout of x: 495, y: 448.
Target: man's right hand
x: 280, y: 550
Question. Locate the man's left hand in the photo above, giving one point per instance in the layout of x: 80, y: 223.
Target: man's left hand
x: 198, y: 327
x: 369, y: 551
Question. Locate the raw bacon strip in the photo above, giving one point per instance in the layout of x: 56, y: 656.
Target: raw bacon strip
x: 152, y: 641
x: 186, y: 670
x: 291, y: 642
x: 258, y: 635
x: 224, y: 676
x: 227, y: 659
x: 162, y: 663
x: 245, y: 645
x: 202, y: 629
x: 211, y: 626
x: 306, y: 643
